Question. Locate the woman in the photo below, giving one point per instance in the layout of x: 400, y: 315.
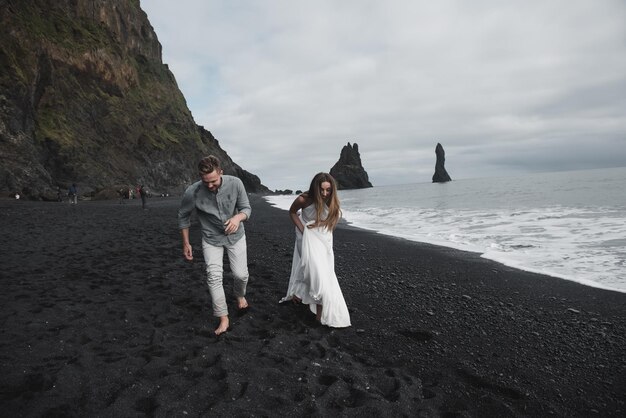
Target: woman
x: 313, y: 280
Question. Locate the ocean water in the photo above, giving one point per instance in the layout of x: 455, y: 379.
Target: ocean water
x: 570, y: 225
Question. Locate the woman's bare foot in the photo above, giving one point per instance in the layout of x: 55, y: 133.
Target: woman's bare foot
x: 319, y: 313
x: 242, y: 303
x: 223, y: 327
x: 296, y: 299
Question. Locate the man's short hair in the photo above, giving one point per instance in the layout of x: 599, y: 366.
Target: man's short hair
x: 209, y: 164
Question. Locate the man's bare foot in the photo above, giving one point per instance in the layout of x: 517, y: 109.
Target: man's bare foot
x: 319, y: 313
x: 223, y: 327
x: 242, y: 303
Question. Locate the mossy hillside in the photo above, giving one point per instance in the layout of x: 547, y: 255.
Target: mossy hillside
x: 88, y: 122
x: 56, y: 26
x: 85, y: 98
x: 81, y: 109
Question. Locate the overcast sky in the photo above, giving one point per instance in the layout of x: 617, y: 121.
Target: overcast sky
x: 507, y: 87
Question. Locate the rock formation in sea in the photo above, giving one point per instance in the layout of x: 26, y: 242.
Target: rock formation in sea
x: 349, y: 171
x: 85, y: 98
x: 441, y: 175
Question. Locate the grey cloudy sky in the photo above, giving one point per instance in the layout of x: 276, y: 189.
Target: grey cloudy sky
x: 507, y: 87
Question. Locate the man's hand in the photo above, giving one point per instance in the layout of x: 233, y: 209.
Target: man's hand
x: 232, y: 225
x: 187, y: 251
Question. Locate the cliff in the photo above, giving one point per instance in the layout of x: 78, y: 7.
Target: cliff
x: 349, y: 171
x: 441, y: 175
x: 85, y: 98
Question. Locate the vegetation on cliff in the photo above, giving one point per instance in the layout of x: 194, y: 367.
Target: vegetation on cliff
x: 85, y: 98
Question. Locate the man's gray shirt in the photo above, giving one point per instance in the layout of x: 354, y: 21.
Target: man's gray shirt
x: 215, y: 208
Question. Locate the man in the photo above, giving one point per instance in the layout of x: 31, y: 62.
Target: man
x: 221, y: 204
x: 143, y: 194
x: 72, y: 192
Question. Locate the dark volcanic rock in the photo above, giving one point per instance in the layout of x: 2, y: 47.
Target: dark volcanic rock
x: 441, y: 175
x: 349, y: 171
x: 85, y: 98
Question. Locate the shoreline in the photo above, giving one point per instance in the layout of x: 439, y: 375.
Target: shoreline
x: 585, y: 282
x: 101, y: 316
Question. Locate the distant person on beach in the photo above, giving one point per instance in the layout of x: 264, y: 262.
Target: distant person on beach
x: 221, y: 204
x: 72, y: 193
x: 313, y: 280
x: 143, y: 194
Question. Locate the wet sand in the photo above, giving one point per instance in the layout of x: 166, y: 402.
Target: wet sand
x: 101, y: 316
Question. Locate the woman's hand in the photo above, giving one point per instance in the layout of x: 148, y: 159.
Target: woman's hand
x: 312, y: 224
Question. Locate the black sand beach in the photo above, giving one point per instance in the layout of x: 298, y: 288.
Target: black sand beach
x: 101, y: 316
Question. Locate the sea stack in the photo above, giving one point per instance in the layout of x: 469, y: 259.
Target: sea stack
x: 441, y: 175
x: 349, y: 171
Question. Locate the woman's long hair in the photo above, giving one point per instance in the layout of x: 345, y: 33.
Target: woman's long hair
x: 314, y: 193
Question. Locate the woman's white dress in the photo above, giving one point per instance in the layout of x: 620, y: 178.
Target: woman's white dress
x: 313, y: 277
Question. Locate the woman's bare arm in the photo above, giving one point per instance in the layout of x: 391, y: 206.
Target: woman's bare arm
x: 301, y: 202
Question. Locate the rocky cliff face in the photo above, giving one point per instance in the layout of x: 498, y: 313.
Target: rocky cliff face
x: 441, y: 175
x: 86, y: 99
x: 349, y: 171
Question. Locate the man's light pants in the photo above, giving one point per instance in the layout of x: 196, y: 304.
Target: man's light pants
x: 214, y: 260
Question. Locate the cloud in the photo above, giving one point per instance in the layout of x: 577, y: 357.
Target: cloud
x: 506, y: 88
